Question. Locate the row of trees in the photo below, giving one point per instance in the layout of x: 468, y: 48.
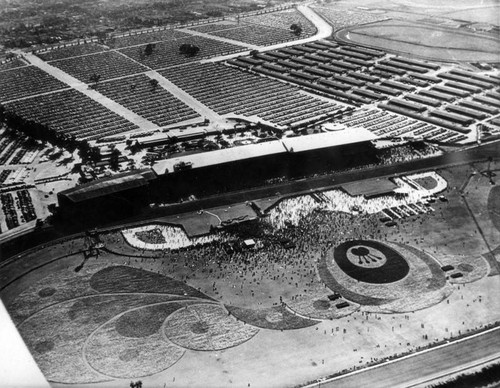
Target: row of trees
x: 186, y: 49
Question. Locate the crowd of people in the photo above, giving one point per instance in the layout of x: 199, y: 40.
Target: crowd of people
x: 161, y: 237
x: 292, y: 210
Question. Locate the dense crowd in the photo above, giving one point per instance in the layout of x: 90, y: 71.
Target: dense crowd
x: 161, y: 237
x: 292, y: 210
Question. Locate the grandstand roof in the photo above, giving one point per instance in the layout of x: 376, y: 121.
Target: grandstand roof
x: 327, y: 139
x: 109, y: 185
x: 370, y: 187
x: 274, y: 147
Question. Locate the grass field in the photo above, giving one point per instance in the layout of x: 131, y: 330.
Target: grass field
x: 135, y: 354
x: 422, y: 40
x: 128, y: 279
x: 427, y: 182
x: 56, y: 335
x: 478, y: 15
x: 206, y: 327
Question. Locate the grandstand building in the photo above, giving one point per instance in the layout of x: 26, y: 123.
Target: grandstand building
x: 216, y: 172
x: 111, y: 198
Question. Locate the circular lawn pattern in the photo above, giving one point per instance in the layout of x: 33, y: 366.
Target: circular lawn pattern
x: 200, y: 327
x: 274, y: 317
x: 128, y: 355
x: 206, y: 327
x: 271, y: 318
x: 370, y: 262
x: 321, y: 304
x: 465, y: 267
x: 144, y: 321
x: 46, y: 292
x: 43, y: 346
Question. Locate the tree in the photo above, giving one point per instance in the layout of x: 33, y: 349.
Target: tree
x: 149, y: 49
x: 188, y: 49
x: 83, y: 150
x: 296, y: 29
x: 114, y: 160
x: 94, y: 154
x: 95, y: 78
x: 154, y: 83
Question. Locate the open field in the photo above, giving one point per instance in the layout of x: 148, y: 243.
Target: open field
x: 483, y: 14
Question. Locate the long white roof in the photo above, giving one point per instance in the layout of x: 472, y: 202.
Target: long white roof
x: 274, y: 147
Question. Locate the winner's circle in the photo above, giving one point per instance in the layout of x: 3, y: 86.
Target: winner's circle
x: 370, y: 261
x: 366, y: 257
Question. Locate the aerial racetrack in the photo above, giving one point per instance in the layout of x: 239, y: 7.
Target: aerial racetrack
x: 424, y: 40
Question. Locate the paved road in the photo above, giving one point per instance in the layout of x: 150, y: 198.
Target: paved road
x: 414, y: 369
